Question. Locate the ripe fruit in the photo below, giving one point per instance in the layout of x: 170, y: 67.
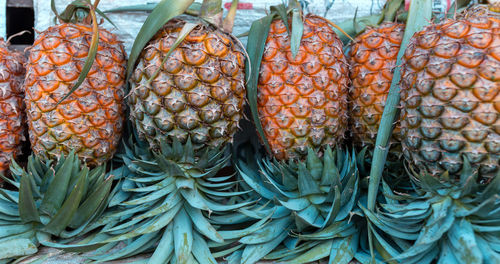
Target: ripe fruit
x: 90, y: 120
x: 199, y: 92
x: 12, y: 128
x: 450, y: 96
x: 302, y: 101
x: 373, y: 57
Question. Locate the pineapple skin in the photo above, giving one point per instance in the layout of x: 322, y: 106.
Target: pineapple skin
x: 199, y: 91
x: 372, y: 58
x: 302, y: 101
x: 12, y: 118
x: 90, y: 120
x: 450, y: 91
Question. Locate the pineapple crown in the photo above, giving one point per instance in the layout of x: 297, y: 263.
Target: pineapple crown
x: 313, y: 199
x: 57, y: 200
x: 176, y: 203
x: 437, y: 216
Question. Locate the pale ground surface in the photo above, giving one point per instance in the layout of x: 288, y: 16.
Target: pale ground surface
x: 55, y: 256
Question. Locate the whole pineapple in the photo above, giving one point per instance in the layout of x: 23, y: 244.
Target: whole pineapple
x: 12, y: 128
x: 90, y: 120
x: 302, y: 100
x: 199, y: 91
x: 450, y: 96
x: 373, y: 58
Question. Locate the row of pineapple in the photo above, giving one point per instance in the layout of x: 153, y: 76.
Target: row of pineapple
x: 299, y: 197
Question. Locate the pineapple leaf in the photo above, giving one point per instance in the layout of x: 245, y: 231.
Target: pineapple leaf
x: 68, y: 209
x: 331, y: 231
x: 308, y: 217
x: 91, y: 204
x: 194, y: 198
x: 373, y: 218
x: 202, y: 225
x: 343, y: 249
x: 27, y: 207
x: 201, y: 251
x: 234, y: 234
x: 183, y: 236
x: 10, y: 230
x: 8, y: 208
x: 228, y: 23
x: 164, y: 11
x: 253, y: 253
x: 269, y: 232
x: 90, y: 57
x: 153, y: 196
x: 447, y: 254
x: 314, y: 164
x: 320, y: 251
x: 335, y: 208
x: 297, y: 31
x: 165, y: 247
x: 58, y: 187
x: 255, y: 47
x: 170, y: 202
x: 282, y: 11
x: 419, y: 15
x: 390, y: 10
x: 35, y: 169
x: 491, y: 256
x: 306, y: 184
x: 17, y: 247
x: 135, y: 247
x: 152, y: 225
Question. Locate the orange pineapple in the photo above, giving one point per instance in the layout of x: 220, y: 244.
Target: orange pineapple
x: 90, y: 120
x: 373, y: 57
x: 11, y: 104
x: 302, y: 101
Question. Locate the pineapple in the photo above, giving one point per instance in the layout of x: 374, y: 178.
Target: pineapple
x: 298, y: 95
x: 186, y: 99
x: 90, y: 120
x: 57, y: 195
x: 12, y: 126
x: 450, y: 97
x: 198, y: 93
x: 302, y: 99
x: 372, y: 58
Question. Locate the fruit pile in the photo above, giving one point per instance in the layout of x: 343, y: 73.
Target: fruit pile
x: 383, y: 149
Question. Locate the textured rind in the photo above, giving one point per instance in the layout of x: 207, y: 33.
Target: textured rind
x: 12, y: 118
x: 302, y: 101
x: 451, y: 97
x: 372, y: 58
x: 198, y: 93
x: 90, y: 120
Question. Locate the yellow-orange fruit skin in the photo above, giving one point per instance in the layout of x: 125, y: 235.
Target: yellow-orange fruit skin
x: 12, y: 119
x: 302, y: 101
x: 450, y: 96
x: 199, y: 92
x: 372, y: 58
x: 90, y: 120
